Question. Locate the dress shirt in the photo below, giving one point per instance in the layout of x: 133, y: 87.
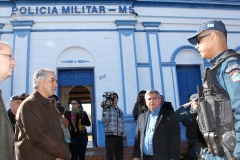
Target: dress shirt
x: 152, y: 119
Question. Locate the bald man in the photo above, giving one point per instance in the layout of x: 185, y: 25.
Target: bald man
x: 6, y: 132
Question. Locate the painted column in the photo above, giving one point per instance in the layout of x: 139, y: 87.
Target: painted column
x: 21, y: 50
x: 128, y: 62
x: 152, y: 29
x: 1, y: 26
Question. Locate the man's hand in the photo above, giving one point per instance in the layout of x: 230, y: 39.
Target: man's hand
x: 103, y: 104
x: 135, y: 158
x: 187, y: 104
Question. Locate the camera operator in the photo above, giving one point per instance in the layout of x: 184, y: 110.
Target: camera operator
x: 115, y: 132
x: 140, y: 105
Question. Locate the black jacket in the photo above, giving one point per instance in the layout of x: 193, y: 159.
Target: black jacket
x: 84, y: 120
x: 167, y: 105
x: 166, y: 137
x: 12, y: 118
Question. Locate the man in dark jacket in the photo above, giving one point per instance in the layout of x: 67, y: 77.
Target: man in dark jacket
x: 15, y: 102
x: 7, y: 64
x: 157, y: 132
x: 166, y: 105
x: 38, y: 131
x: 188, y: 118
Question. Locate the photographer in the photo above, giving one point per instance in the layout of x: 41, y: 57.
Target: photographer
x: 63, y: 121
x: 115, y: 132
x: 140, y: 105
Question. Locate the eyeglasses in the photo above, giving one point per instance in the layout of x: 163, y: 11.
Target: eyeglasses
x: 73, y: 103
x: 10, y: 56
x: 199, y: 38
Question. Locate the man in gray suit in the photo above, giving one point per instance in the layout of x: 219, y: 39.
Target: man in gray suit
x: 6, y: 132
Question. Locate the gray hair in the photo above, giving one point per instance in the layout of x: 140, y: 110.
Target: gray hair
x: 41, y: 73
x: 152, y: 92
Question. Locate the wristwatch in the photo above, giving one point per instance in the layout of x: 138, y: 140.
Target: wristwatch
x: 63, y: 113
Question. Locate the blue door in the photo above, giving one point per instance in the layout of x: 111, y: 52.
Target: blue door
x: 76, y: 77
x: 79, y: 77
x: 189, y: 77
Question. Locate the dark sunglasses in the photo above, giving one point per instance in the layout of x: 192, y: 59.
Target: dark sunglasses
x: 199, y: 38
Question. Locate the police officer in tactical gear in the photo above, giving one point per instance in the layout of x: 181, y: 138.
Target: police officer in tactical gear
x: 219, y: 100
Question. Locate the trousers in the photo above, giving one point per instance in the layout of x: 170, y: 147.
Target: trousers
x: 114, y: 147
x: 78, y: 147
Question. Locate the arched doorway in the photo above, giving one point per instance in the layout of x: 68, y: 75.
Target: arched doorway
x: 78, y: 84
x: 75, y: 71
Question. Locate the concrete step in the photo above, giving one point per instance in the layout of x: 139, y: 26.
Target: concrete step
x: 100, y: 153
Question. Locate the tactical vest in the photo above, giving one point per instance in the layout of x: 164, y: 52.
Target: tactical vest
x: 215, y: 114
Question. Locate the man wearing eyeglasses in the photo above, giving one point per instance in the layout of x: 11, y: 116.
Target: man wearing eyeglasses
x: 219, y: 95
x: 7, y: 64
x: 15, y: 102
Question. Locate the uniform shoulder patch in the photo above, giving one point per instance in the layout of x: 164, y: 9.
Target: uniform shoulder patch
x: 234, y: 72
x: 235, y: 75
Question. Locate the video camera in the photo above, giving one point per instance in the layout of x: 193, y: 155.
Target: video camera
x: 108, y: 98
x: 60, y: 108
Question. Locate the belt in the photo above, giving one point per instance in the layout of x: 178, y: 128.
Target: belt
x: 113, y: 136
x: 197, y: 144
x: 147, y: 156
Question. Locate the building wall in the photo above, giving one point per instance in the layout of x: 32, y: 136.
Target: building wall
x: 132, y: 52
